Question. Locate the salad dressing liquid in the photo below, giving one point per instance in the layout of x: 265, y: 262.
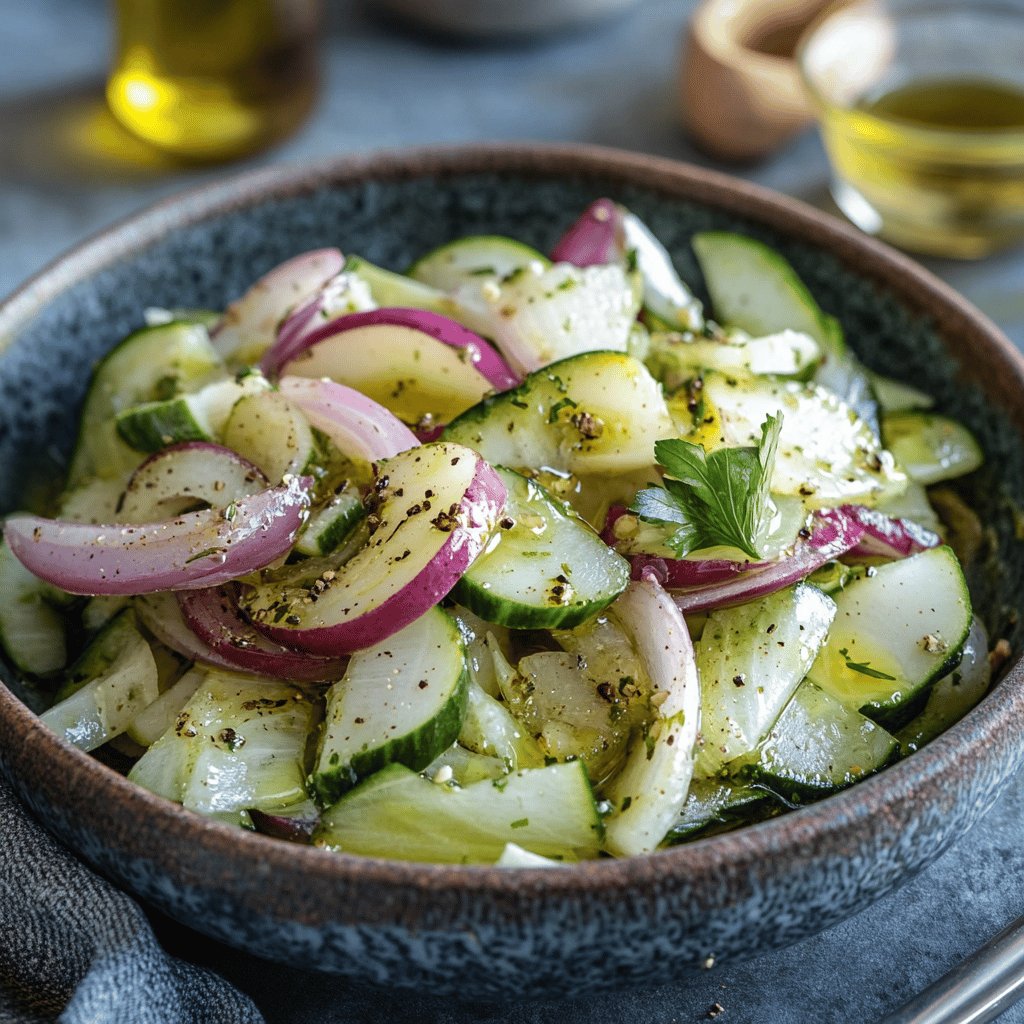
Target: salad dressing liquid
x: 940, y: 160
x: 214, y: 80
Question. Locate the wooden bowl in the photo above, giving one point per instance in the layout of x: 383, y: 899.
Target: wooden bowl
x: 481, y: 932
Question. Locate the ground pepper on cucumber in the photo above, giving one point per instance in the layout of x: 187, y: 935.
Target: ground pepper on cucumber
x: 506, y: 559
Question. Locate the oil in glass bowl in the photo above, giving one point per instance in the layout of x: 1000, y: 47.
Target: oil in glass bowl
x: 926, y: 143
x: 214, y: 80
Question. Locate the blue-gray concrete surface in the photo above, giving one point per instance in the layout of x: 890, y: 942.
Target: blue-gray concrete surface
x: 613, y: 85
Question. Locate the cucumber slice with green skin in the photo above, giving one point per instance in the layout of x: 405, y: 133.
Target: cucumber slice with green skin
x: 401, y: 701
x: 198, y: 417
x: 31, y: 628
x: 597, y: 413
x: 751, y: 659
x: 675, y: 358
x: 713, y: 803
x: 896, y: 631
x: 391, y: 289
x: 544, y: 568
x: 156, y: 718
x: 270, y: 432
x: 895, y: 396
x: 104, y: 706
x: 539, y: 315
x: 239, y: 743
x: 953, y: 695
x: 476, y: 256
x: 330, y: 525
x: 754, y: 288
x: 930, y: 447
x: 826, y: 455
x: 401, y: 815
x: 819, y: 746
x: 151, y: 364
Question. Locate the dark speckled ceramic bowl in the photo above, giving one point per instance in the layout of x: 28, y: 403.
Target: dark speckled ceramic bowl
x: 485, y: 932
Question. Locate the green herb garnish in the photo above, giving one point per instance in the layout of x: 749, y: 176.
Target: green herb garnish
x: 712, y: 499
x: 863, y: 667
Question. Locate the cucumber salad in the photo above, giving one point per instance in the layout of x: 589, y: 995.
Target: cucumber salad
x: 512, y: 558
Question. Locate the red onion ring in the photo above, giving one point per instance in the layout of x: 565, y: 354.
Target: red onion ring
x: 593, y: 238
x: 197, y: 549
x: 355, y: 423
x: 886, y: 537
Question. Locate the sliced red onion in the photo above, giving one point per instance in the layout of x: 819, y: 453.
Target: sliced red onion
x: 252, y: 320
x: 298, y: 828
x: 356, y: 424
x: 886, y: 537
x: 593, y: 239
x: 214, y: 618
x: 676, y: 572
x: 367, y: 600
x: 176, y: 478
x: 197, y: 549
x: 480, y: 354
x: 833, y: 534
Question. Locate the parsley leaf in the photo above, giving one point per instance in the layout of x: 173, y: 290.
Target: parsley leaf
x: 712, y: 499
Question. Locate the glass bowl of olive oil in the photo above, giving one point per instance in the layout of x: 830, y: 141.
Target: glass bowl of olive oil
x: 922, y: 113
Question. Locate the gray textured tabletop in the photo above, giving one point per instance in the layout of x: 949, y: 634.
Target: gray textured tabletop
x: 613, y: 85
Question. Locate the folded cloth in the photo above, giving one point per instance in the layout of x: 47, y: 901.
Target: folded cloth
x: 75, y: 948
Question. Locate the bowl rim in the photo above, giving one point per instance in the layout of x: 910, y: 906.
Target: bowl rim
x: 806, y: 830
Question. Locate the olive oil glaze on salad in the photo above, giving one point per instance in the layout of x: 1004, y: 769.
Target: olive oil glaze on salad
x: 509, y: 559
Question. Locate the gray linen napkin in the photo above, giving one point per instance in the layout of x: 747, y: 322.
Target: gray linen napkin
x: 74, y: 948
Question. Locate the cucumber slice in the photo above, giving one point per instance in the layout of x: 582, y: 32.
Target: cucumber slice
x: 826, y: 454
x: 713, y: 803
x: 157, y: 718
x: 239, y: 743
x: 151, y: 364
x: 95, y: 501
x: 597, y: 413
x: 332, y: 523
x: 953, y: 695
x: 391, y: 289
x: 198, y: 417
x: 463, y: 767
x: 99, y: 708
x: 98, y: 611
x: 31, y: 628
x: 915, y: 505
x: 751, y: 659
x: 895, y: 396
x: 399, y: 814
x: 539, y: 315
x: 545, y: 567
x: 449, y: 266
x: 896, y: 631
x: 514, y: 856
x: 269, y: 431
x: 754, y: 288
x: 120, y: 632
x: 931, y: 447
x: 156, y: 316
x: 675, y: 358
x: 819, y: 746
x: 400, y: 701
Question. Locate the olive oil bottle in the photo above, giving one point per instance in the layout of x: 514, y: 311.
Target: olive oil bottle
x: 214, y: 79
x: 935, y: 165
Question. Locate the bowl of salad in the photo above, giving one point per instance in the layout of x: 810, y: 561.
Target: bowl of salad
x: 502, y: 568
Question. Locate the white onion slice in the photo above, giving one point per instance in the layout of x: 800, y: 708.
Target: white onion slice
x: 356, y: 424
x: 197, y: 549
x: 652, y: 787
